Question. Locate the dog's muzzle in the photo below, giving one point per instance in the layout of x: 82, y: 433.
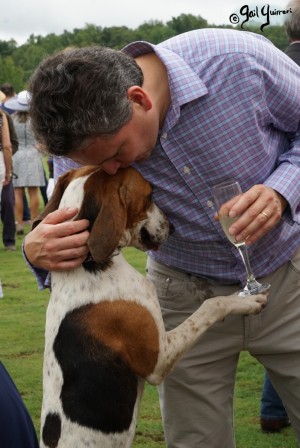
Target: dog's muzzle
x: 152, y: 242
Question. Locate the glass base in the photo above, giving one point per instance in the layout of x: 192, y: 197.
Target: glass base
x: 257, y: 289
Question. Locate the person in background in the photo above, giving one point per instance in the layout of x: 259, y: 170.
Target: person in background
x: 5, y: 152
x: 2, y: 97
x: 50, y: 185
x: 292, y: 28
x: 273, y: 415
x: 10, y: 93
x: 27, y: 162
x: 16, y: 426
x: 8, y: 195
x: 191, y: 112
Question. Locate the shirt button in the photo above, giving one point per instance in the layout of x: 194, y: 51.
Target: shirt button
x: 186, y: 170
x: 210, y: 204
x: 164, y: 135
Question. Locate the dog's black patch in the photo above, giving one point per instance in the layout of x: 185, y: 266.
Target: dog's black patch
x: 92, y: 267
x: 99, y: 390
x: 51, y: 430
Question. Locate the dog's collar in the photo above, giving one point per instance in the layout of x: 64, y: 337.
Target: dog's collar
x: 90, y: 258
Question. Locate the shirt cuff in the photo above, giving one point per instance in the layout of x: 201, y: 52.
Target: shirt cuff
x: 286, y: 180
x: 42, y: 276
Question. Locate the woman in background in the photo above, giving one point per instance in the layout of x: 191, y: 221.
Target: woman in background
x: 27, y: 162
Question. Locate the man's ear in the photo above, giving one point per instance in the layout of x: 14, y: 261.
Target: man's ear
x: 138, y: 95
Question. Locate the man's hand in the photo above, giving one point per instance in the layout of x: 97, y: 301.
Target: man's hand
x: 56, y: 243
x: 259, y: 210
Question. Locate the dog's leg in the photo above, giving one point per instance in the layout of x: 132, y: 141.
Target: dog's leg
x: 180, y: 339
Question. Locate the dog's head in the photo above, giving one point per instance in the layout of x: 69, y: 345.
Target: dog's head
x: 119, y: 207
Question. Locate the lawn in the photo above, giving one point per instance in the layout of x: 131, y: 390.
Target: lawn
x: 22, y: 316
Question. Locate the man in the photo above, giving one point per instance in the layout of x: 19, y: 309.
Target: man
x: 191, y: 112
x: 273, y: 414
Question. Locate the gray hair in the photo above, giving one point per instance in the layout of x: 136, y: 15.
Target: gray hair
x: 79, y: 94
x: 292, y: 21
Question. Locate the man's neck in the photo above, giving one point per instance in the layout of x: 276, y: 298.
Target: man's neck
x: 156, y: 83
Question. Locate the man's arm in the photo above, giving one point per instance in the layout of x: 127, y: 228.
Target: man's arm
x: 57, y: 243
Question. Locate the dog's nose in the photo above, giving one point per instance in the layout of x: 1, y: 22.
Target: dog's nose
x: 171, y: 229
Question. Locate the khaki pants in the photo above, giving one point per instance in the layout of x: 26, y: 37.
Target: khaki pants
x: 197, y: 397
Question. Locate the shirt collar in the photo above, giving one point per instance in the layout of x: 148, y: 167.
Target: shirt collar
x: 185, y: 85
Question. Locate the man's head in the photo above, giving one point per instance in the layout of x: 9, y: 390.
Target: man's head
x: 292, y: 21
x: 81, y: 94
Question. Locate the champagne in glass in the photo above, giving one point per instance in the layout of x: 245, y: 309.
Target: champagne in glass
x: 225, y: 195
x: 226, y: 222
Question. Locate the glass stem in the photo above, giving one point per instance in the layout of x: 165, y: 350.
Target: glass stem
x: 243, y: 250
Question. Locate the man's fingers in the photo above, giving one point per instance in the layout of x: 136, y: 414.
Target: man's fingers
x: 57, y: 224
x: 68, y: 259
x: 258, y: 211
x: 57, y: 246
x: 60, y: 215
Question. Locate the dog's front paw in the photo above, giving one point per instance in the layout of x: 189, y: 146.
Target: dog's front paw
x: 253, y: 304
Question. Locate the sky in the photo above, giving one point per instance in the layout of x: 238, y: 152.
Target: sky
x: 21, y: 18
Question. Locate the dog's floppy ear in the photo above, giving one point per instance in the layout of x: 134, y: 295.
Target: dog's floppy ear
x: 104, y: 207
x: 53, y: 203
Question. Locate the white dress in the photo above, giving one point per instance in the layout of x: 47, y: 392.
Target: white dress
x: 27, y: 161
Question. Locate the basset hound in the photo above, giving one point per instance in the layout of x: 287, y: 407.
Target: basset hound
x: 104, y: 331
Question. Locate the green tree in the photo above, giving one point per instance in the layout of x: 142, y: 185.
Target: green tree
x: 84, y: 37
x: 186, y: 22
x: 153, y: 31
x: 7, y: 47
x: 29, y: 55
x: 116, y: 36
x: 11, y: 73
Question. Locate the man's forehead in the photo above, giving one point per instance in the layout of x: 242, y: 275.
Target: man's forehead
x: 100, y: 149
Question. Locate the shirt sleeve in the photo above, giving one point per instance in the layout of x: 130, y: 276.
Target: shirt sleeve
x: 281, y: 80
x: 42, y: 276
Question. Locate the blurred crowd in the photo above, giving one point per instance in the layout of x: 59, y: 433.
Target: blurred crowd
x: 23, y: 179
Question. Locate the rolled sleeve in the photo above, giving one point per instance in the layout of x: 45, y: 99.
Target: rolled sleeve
x: 286, y: 180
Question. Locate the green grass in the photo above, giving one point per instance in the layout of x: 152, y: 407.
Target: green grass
x: 22, y: 317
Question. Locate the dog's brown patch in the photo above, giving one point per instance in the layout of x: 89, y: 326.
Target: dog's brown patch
x: 127, y: 328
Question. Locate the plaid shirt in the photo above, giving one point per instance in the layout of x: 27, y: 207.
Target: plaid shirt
x: 235, y: 110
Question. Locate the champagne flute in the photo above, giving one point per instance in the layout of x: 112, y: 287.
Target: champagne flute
x: 223, y: 193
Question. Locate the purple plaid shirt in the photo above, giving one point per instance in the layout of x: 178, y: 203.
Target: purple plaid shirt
x: 235, y: 113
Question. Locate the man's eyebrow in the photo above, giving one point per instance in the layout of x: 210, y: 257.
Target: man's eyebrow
x: 85, y: 152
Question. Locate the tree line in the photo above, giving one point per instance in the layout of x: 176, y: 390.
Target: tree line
x: 17, y: 63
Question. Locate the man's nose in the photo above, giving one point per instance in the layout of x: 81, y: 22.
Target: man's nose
x: 111, y: 166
